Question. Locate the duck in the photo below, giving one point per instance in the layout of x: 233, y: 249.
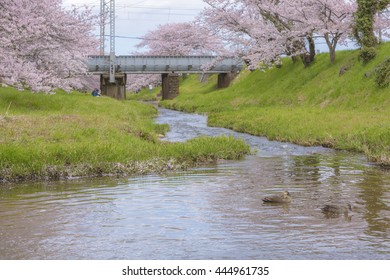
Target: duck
x: 335, y: 210
x: 284, y: 198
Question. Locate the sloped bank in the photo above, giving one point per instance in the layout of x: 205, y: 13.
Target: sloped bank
x: 334, y: 105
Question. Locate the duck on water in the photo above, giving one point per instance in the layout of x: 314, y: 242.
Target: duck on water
x: 330, y: 210
x: 284, y: 198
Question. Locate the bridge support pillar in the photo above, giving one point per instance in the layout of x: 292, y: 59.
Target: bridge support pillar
x: 116, y: 90
x: 224, y: 79
x: 170, y: 86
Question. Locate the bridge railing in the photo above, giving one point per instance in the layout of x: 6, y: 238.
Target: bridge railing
x: 164, y: 64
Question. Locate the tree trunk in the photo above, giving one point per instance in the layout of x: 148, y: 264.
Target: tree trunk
x: 308, y: 57
x: 332, y: 44
x: 294, y: 58
x: 332, y: 54
x: 312, y: 47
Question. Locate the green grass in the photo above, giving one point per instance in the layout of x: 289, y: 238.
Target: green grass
x: 307, y: 106
x: 144, y: 95
x: 71, y: 135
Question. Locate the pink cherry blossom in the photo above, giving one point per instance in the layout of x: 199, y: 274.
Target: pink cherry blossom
x: 42, y: 45
x: 261, y: 31
x: 188, y: 38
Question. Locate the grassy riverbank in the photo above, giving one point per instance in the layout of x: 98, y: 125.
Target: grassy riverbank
x: 50, y: 137
x: 308, y: 106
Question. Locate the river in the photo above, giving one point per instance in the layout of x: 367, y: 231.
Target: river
x: 214, y: 212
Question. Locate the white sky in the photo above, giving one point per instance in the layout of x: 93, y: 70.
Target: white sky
x: 134, y: 18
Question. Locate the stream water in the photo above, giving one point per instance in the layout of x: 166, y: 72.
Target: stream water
x: 213, y: 212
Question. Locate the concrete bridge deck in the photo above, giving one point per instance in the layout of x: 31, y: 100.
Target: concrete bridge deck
x: 113, y: 76
x: 163, y: 64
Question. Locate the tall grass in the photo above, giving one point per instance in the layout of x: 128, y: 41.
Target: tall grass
x: 67, y: 135
x: 318, y: 105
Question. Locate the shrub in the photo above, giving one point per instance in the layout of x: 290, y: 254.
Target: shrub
x: 382, y: 74
x: 367, y: 54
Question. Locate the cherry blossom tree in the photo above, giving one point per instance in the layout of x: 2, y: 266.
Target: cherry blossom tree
x: 186, y: 38
x: 329, y: 19
x: 334, y: 22
x: 263, y: 30
x: 42, y: 45
x: 136, y: 82
x: 175, y: 39
x: 382, y: 24
x: 254, y: 31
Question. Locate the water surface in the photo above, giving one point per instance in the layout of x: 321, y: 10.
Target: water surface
x: 213, y: 212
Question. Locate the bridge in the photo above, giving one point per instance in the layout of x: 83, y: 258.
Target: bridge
x: 113, y: 76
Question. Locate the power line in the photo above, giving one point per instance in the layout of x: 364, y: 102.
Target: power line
x: 158, y: 8
x: 127, y: 6
x: 155, y: 14
x: 143, y: 38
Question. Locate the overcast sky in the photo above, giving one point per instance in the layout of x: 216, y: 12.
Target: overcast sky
x: 134, y: 18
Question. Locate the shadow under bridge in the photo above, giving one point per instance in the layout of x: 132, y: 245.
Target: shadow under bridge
x: 113, y: 72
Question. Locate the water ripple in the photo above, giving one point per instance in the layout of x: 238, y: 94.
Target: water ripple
x: 207, y: 213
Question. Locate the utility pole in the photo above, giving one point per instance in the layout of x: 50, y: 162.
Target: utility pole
x: 103, y: 18
x: 113, y: 84
x: 112, y: 41
x: 107, y: 7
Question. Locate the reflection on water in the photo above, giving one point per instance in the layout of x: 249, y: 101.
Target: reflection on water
x: 207, y: 213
